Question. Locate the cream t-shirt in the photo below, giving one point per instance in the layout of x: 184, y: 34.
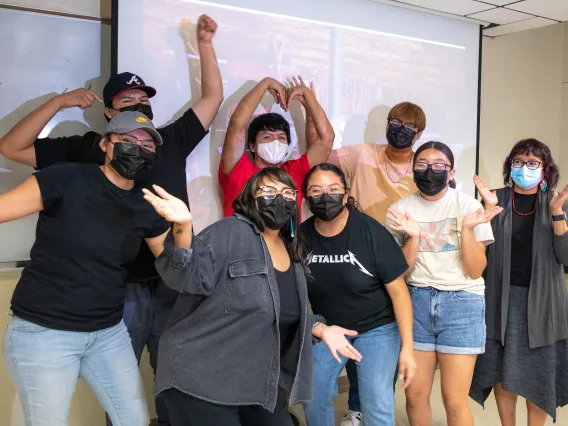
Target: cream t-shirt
x: 368, y: 178
x: 438, y: 263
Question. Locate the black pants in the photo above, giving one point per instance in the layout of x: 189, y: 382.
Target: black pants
x: 185, y: 410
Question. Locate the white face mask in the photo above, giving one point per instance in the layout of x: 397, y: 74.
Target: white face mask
x: 274, y: 152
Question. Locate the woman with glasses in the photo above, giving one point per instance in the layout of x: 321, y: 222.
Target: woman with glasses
x: 239, y: 340
x: 443, y: 234
x: 356, y: 281
x: 527, y: 309
x: 69, y: 302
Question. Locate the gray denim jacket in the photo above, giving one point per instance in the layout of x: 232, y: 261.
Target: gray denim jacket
x: 222, y: 341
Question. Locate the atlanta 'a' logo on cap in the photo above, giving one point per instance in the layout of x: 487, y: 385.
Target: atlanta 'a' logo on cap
x: 134, y: 79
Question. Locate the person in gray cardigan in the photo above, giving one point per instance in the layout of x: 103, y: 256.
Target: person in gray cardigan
x: 239, y: 339
x: 526, y: 352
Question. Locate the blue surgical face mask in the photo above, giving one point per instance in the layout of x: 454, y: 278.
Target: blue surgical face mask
x: 526, y: 178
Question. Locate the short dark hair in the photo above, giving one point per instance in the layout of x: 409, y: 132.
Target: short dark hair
x: 538, y: 149
x: 328, y: 167
x: 438, y: 146
x: 269, y: 121
x: 245, y: 204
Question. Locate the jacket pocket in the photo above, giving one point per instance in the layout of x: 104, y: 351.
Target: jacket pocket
x: 247, y: 289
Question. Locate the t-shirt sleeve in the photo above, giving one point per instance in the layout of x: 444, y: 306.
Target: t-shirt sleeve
x: 54, y: 181
x: 232, y: 183
x: 482, y: 232
x: 72, y: 149
x: 389, y: 258
x: 187, y: 131
x: 298, y: 169
x: 159, y: 226
x: 348, y: 157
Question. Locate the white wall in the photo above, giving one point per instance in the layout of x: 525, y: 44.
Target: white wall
x: 94, y: 8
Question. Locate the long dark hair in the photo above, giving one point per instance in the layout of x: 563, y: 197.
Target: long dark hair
x: 438, y: 146
x: 540, y: 150
x: 245, y: 204
x: 327, y: 167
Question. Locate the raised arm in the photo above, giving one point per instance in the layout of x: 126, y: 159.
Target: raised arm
x: 21, y: 201
x: 473, y: 252
x: 235, y: 140
x: 207, y: 107
x: 18, y: 144
x: 319, y: 132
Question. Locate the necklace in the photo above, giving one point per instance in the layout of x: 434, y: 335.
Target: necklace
x: 387, y: 170
x: 525, y: 214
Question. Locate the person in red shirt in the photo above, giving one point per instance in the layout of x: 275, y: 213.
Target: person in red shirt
x: 268, y: 139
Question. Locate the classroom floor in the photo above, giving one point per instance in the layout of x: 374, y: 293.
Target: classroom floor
x: 487, y: 417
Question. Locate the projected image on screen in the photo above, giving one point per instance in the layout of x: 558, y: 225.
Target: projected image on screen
x: 359, y: 74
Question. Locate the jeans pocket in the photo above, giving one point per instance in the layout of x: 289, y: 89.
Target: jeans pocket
x: 20, y: 324
x: 466, y: 296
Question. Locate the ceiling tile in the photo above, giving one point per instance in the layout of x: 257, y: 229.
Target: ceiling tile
x: 552, y: 9
x: 501, y: 16
x: 528, y: 24
x: 457, y: 7
x: 498, y: 2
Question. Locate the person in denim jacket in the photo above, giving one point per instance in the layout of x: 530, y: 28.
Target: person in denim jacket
x: 239, y: 339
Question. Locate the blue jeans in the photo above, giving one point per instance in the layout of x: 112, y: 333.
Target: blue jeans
x: 450, y: 322
x: 44, y: 365
x: 380, y: 348
x: 146, y: 310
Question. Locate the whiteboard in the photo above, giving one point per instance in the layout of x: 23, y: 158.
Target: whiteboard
x: 41, y: 56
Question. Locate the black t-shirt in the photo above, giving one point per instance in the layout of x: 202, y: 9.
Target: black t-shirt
x: 350, y: 270
x: 522, y: 240
x: 88, y: 230
x: 180, y: 139
x: 289, y: 306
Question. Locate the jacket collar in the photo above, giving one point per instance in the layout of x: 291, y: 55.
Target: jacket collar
x: 247, y: 220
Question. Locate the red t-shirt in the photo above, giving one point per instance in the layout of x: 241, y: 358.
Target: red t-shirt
x: 232, y: 183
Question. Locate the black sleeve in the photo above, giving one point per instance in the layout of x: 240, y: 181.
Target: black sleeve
x: 72, y: 149
x: 389, y: 258
x: 159, y: 226
x: 186, y: 132
x: 53, y: 182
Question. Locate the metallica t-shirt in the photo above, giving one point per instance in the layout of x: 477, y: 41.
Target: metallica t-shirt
x: 350, y: 271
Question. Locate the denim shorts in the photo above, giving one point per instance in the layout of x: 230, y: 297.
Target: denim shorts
x: 450, y: 322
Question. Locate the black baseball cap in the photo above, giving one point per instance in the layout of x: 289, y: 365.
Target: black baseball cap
x: 122, y: 82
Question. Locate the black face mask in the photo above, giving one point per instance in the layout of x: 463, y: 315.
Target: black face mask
x: 143, y: 108
x: 400, y: 137
x: 129, y: 161
x: 276, y: 213
x: 431, y: 183
x: 326, y: 207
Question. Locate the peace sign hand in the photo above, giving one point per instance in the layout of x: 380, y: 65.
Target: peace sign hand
x: 169, y: 207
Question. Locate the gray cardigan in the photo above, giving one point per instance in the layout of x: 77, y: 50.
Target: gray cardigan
x: 548, y: 304
x: 222, y: 341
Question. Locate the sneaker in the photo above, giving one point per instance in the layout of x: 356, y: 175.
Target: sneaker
x: 352, y: 418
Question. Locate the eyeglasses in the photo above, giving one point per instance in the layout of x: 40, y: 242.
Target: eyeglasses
x: 317, y: 191
x: 146, y: 144
x: 437, y: 168
x: 397, y: 123
x: 269, y: 193
x: 532, y: 164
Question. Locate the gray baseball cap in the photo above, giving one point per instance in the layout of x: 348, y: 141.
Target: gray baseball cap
x: 133, y: 120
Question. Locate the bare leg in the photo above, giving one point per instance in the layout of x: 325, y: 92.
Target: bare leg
x: 418, y: 393
x: 457, y: 373
x: 507, y: 405
x: 537, y: 417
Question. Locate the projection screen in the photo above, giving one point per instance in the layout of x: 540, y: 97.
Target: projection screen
x: 363, y: 56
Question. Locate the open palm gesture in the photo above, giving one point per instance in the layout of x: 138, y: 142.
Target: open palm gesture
x: 558, y: 201
x: 169, y: 207
x: 404, y: 223
x: 489, y: 197
x: 480, y: 216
